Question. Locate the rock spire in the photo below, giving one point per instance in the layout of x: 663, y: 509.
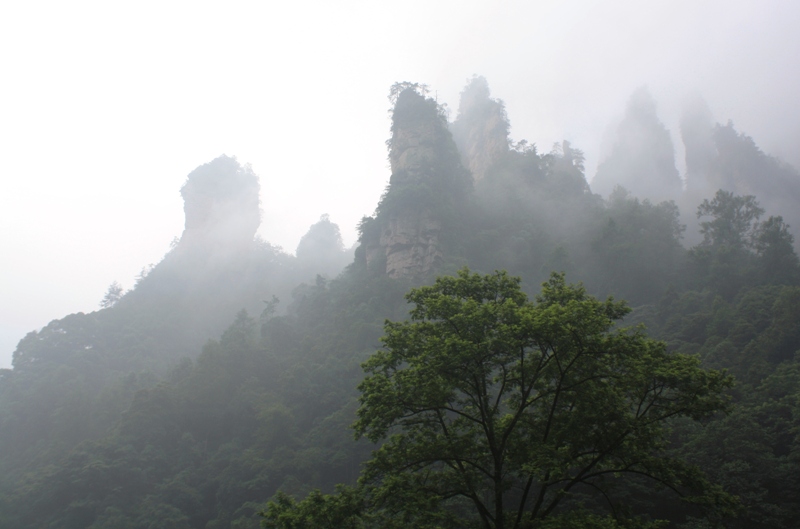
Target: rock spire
x: 405, y: 238
x: 221, y: 206
x: 481, y: 128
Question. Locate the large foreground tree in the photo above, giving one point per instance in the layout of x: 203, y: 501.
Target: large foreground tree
x: 499, y: 412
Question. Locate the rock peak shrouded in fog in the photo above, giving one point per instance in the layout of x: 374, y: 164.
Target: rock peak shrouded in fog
x: 481, y: 128
x: 697, y: 124
x: 403, y: 239
x: 221, y: 205
x: 642, y: 159
x: 321, y: 249
x: 720, y: 157
x: 419, y: 138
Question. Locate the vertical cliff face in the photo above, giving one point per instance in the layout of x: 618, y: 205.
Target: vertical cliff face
x: 411, y: 244
x: 405, y: 237
x: 221, y: 206
x: 481, y: 128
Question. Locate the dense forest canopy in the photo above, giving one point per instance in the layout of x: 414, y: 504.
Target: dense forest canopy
x: 231, y: 373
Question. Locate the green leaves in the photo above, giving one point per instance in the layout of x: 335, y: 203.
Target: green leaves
x: 320, y: 511
x: 733, y: 219
x: 511, y: 406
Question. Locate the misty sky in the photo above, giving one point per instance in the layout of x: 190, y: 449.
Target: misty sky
x: 106, y: 108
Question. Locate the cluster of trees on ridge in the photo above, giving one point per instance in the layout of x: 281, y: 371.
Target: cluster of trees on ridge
x: 112, y: 419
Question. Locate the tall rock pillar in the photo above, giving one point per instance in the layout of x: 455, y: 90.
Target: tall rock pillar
x: 427, y: 186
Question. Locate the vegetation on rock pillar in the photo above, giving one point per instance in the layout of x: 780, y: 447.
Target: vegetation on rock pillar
x: 420, y: 214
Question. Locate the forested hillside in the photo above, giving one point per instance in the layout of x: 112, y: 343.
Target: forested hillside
x: 230, y: 373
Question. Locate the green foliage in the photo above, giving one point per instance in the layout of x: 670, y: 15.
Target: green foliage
x: 733, y: 217
x: 533, y: 214
x: 343, y: 510
x: 515, y: 406
x: 565, y: 164
x: 750, y: 336
x: 581, y: 519
x: 754, y: 452
x: 638, y: 251
x: 774, y: 246
x: 400, y: 87
x: 738, y: 250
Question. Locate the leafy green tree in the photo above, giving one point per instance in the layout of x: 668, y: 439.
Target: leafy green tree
x: 775, y: 247
x: 732, y: 221
x: 754, y: 451
x: 344, y: 510
x: 638, y: 252
x: 738, y: 250
x: 724, y: 260
x: 503, y: 412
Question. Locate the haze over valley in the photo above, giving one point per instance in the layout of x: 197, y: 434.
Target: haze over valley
x: 105, y: 110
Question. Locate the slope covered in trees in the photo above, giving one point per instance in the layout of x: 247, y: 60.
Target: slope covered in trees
x: 230, y: 371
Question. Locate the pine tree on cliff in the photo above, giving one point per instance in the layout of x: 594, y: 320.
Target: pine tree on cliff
x: 417, y: 218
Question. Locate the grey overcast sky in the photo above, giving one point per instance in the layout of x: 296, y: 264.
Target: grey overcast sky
x: 105, y: 107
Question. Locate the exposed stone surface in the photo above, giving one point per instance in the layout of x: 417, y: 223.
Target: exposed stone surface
x: 413, y: 151
x: 411, y: 245
x: 221, y: 206
x: 375, y: 254
x: 481, y: 129
x: 404, y: 240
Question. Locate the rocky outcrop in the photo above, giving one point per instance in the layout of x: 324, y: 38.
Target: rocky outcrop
x: 481, y: 128
x: 406, y: 245
x: 221, y: 206
x: 411, y: 245
x: 413, y: 152
x: 404, y: 238
x: 321, y: 250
